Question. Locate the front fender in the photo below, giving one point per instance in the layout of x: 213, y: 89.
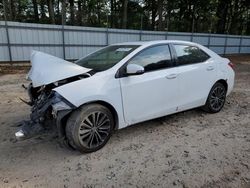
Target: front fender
x: 95, y: 88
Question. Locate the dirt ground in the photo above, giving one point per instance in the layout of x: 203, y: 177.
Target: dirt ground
x: 188, y: 149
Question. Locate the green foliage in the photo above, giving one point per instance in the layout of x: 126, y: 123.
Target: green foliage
x: 215, y: 16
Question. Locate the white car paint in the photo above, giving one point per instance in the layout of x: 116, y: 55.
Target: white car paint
x: 149, y: 95
x: 143, y: 95
x: 47, y: 69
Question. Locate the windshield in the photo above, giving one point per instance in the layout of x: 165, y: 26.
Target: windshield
x: 106, y: 58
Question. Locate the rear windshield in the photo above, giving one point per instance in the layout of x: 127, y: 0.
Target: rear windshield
x: 107, y: 57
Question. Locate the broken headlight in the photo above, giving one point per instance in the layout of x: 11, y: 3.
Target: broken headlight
x: 60, y: 104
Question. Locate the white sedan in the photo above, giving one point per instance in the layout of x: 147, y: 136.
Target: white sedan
x: 121, y: 85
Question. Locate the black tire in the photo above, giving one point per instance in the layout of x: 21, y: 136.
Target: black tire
x: 89, y: 128
x: 216, y: 98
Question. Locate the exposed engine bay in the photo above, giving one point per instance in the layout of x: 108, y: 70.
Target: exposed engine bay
x: 46, y: 106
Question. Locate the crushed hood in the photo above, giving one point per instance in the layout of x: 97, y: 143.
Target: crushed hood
x: 46, y: 69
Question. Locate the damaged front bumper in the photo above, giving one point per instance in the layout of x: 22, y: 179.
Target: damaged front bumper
x: 45, y: 107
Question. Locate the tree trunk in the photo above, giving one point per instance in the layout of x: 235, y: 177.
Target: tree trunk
x: 153, y: 10
x: 7, y: 10
x: 111, y: 13
x: 51, y: 11
x: 193, y: 19
x: 222, y: 12
x: 124, y: 13
x: 63, y: 12
x: 10, y: 10
x: 234, y: 23
x: 13, y: 9
x: 98, y: 14
x: 160, y: 7
x: 72, y: 12
x: 79, y: 12
x: 35, y: 8
x: 248, y: 23
x: 43, y: 14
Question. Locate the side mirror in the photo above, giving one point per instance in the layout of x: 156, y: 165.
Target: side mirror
x: 133, y: 69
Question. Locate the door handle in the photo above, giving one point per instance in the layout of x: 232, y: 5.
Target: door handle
x: 171, y: 76
x: 210, y: 68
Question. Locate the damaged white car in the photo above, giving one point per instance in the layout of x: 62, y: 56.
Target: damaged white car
x: 121, y: 85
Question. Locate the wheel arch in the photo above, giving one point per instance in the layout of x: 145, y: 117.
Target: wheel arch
x: 62, y: 121
x: 224, y: 82
x: 110, y: 107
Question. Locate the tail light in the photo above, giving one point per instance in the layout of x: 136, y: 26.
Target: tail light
x: 231, y: 65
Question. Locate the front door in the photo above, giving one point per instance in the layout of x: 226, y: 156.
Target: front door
x: 154, y: 93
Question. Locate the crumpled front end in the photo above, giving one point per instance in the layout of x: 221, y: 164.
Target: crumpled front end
x: 45, y: 104
x: 48, y: 72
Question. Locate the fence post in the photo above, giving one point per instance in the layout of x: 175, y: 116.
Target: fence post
x: 63, y: 22
x: 225, y: 45
x: 140, y: 34
x: 191, y: 37
x: 8, y: 40
x: 7, y: 32
x: 208, y: 42
x: 107, y: 36
x: 107, y: 31
x: 63, y: 42
x: 240, y: 44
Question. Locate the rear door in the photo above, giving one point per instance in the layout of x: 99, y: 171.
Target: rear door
x: 197, y: 74
x: 154, y: 93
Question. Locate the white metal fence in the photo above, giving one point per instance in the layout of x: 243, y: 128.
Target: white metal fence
x: 72, y: 42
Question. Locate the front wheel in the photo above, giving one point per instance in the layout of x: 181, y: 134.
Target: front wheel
x: 216, y: 98
x: 89, y: 128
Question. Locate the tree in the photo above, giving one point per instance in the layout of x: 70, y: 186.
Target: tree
x: 124, y: 13
x: 35, y: 7
x: 51, y: 11
x: 72, y: 12
x: 216, y: 16
x: 160, y: 12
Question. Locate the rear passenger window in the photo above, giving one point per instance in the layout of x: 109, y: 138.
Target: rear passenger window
x: 153, y: 58
x: 189, y: 54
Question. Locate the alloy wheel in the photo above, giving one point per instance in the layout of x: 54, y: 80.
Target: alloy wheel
x: 94, y: 129
x: 217, y: 98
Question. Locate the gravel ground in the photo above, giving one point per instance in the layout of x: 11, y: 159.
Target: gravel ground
x: 188, y: 149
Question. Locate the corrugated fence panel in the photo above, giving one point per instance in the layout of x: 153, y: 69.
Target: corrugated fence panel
x: 80, y: 41
x: 245, y: 41
x: 232, y: 50
x: 31, y: 36
x: 217, y: 40
x: 179, y: 36
x: 23, y: 53
x: 218, y: 50
x: 118, y: 35
x: 149, y: 35
x: 201, y: 38
x: 233, y: 41
x: 245, y: 50
x: 78, y: 52
x: 85, y: 35
x: 4, y: 53
x: 72, y: 37
x: 3, y: 38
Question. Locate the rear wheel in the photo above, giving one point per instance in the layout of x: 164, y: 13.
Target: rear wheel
x: 89, y: 128
x: 216, y: 98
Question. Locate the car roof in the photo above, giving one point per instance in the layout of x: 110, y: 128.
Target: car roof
x: 148, y: 43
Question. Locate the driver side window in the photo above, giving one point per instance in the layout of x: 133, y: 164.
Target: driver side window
x: 153, y: 58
